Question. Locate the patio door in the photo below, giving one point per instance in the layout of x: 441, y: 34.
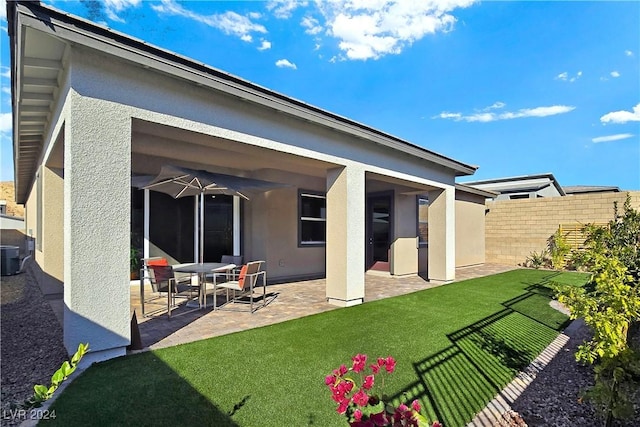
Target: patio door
x: 218, y: 227
x: 169, y: 226
x: 379, y: 230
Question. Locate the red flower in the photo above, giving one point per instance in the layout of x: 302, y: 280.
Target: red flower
x: 340, y: 371
x: 342, y: 407
x: 415, y: 405
x: 368, y: 382
x: 329, y: 380
x: 436, y: 424
x: 375, y: 368
x: 357, y: 415
x: 359, y: 362
x: 361, y: 398
x: 390, y: 364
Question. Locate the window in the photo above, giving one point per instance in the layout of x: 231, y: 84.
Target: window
x: 423, y: 220
x: 312, y: 218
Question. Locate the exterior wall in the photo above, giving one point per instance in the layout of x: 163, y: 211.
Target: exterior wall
x: 515, y: 228
x: 144, y: 95
x: 52, y: 233
x: 31, y: 221
x: 270, y: 230
x: 470, y: 229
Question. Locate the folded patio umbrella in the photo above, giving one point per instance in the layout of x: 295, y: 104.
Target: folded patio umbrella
x: 179, y: 182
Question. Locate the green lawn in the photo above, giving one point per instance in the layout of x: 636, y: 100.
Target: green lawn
x: 455, y: 345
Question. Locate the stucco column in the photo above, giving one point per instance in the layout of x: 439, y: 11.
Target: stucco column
x: 97, y: 205
x: 345, y: 235
x: 442, y: 235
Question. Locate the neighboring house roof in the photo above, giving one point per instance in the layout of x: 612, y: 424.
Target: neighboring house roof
x: 583, y: 189
x: 476, y: 191
x: 518, y: 183
x: 43, y: 68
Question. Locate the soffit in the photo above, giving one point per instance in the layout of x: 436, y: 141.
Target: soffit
x: 36, y: 80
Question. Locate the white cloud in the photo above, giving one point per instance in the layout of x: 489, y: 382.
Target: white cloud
x: 370, y: 29
x: 6, y: 123
x: 311, y: 24
x: 610, y: 138
x: 265, y: 45
x: 283, y: 9
x: 628, y: 53
x: 246, y: 38
x: 284, y: 63
x: 6, y: 89
x: 564, y: 76
x: 113, y: 7
x: 577, y: 76
x: 230, y: 23
x: 3, y: 9
x: 621, y: 117
x: 496, y: 106
x: 490, y: 116
x: 615, y: 74
x: 5, y: 72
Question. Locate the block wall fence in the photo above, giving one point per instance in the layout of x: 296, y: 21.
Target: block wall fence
x: 515, y: 228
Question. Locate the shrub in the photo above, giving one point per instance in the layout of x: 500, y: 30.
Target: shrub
x: 559, y: 248
x: 537, y: 260
x: 609, y: 304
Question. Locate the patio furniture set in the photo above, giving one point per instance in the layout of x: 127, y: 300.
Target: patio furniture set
x: 190, y: 288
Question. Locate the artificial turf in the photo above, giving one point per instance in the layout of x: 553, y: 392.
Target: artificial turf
x: 455, y: 345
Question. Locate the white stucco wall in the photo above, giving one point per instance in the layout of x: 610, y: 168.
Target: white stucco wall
x: 96, y: 225
x: 144, y: 95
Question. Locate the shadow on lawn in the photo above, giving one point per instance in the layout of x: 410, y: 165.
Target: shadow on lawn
x: 457, y: 382
x: 143, y: 391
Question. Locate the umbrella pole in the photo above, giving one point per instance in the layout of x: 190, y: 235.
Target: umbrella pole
x: 201, y: 228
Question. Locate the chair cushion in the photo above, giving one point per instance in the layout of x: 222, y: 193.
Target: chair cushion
x: 242, y: 276
x: 161, y: 261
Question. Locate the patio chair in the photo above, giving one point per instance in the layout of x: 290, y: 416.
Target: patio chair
x: 226, y: 275
x: 163, y: 281
x: 242, y: 284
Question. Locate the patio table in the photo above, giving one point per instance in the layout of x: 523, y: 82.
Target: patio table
x: 202, y: 270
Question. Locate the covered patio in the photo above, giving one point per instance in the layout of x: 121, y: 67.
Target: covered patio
x: 294, y: 300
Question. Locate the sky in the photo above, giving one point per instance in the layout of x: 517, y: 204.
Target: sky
x: 515, y: 88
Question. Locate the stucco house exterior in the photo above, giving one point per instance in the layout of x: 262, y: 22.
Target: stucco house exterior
x: 93, y: 107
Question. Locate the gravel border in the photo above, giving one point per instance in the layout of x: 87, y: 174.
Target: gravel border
x: 32, y: 343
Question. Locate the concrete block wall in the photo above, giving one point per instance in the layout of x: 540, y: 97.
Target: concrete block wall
x: 515, y: 228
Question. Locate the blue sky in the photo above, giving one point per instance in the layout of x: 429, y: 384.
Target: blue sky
x: 515, y: 88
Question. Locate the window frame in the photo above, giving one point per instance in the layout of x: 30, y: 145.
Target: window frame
x: 313, y: 194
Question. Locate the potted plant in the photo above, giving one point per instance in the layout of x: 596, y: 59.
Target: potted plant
x: 134, y: 263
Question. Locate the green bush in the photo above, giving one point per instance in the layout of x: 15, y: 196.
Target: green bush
x: 609, y: 304
x: 559, y: 248
x: 537, y: 260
